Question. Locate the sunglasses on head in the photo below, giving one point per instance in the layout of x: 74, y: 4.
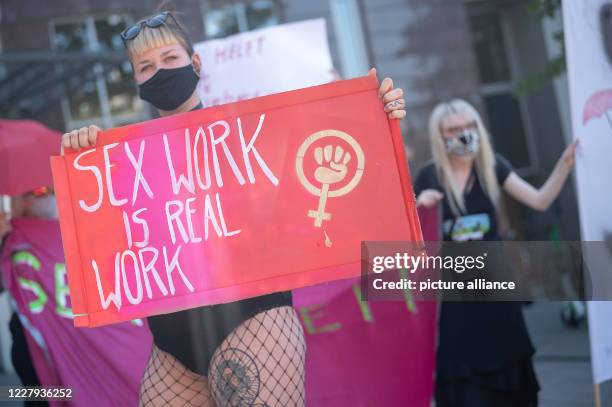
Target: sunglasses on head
x: 154, y: 21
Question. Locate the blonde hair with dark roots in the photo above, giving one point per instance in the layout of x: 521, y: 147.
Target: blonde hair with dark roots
x: 170, y: 32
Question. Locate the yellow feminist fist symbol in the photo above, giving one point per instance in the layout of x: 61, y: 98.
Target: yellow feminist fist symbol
x: 332, y: 168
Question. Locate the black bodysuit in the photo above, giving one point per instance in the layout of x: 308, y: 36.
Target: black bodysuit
x: 180, y: 333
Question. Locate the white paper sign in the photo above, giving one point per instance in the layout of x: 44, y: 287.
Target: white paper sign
x: 270, y: 60
x: 590, y: 83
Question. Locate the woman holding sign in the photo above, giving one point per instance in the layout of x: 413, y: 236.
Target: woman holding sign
x: 250, y: 352
x: 484, y: 350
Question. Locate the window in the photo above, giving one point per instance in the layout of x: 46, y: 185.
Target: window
x: 222, y: 19
x: 505, y: 112
x: 507, y: 128
x: 102, y: 92
x: 490, y: 48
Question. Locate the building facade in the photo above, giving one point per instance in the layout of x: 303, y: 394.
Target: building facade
x: 62, y: 63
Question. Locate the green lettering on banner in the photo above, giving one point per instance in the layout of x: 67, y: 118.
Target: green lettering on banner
x: 408, y: 294
x: 363, y: 305
x: 38, y: 304
x: 308, y: 318
x: 27, y: 258
x: 61, y: 291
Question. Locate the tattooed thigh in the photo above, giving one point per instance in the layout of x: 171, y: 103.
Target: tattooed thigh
x: 261, y: 363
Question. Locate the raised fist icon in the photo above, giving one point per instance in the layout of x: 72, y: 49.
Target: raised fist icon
x: 331, y: 169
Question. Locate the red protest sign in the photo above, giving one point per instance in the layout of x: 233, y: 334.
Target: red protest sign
x: 231, y: 202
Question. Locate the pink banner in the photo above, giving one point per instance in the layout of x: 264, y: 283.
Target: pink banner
x: 359, y: 354
x: 367, y: 354
x: 103, y: 366
x: 375, y: 353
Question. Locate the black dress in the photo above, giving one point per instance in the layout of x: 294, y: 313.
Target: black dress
x: 484, y: 351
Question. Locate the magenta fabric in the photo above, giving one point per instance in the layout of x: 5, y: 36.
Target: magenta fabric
x: 104, y: 366
x: 359, y: 354
x: 368, y: 354
x: 380, y: 353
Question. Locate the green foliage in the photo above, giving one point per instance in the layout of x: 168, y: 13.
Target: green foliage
x: 544, y: 8
x: 554, y: 67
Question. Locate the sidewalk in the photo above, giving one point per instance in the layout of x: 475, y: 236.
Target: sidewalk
x: 562, y: 359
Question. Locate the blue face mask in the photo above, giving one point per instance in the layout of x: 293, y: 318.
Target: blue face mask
x: 169, y: 88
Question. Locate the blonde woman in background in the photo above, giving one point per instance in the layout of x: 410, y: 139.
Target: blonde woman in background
x: 484, y: 351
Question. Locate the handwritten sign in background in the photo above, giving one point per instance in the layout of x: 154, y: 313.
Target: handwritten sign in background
x: 263, y: 62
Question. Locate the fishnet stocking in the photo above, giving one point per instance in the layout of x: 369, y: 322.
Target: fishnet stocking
x: 260, y: 364
x: 167, y: 382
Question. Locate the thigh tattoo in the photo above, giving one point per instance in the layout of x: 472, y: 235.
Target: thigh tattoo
x: 236, y: 380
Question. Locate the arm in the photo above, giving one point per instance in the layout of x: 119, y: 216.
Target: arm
x: 426, y: 187
x: 429, y: 198
x: 540, y: 199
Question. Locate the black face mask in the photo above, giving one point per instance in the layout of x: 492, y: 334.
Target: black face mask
x: 169, y: 88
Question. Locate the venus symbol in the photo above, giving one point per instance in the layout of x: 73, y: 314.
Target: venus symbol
x: 332, y: 168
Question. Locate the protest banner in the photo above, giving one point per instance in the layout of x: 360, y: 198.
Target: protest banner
x: 230, y: 202
x: 339, y: 330
x: 589, y: 65
x: 378, y: 353
x: 102, y: 367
